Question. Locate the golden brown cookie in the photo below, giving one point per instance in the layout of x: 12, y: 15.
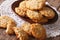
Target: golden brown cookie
x: 34, y: 15
x: 4, y: 21
x: 7, y: 22
x: 27, y: 28
x: 22, y: 35
x: 43, y: 20
x: 9, y: 29
x: 22, y: 5
x: 35, y: 4
x: 48, y: 12
x: 20, y: 11
x: 38, y: 31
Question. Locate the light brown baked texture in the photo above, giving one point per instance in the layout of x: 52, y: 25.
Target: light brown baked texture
x: 36, y: 16
x: 48, y: 12
x: 20, y: 11
x: 38, y: 31
x: 35, y: 4
x: 42, y: 21
x: 21, y: 35
x: 10, y: 26
x: 22, y: 5
x: 27, y: 28
x: 7, y: 22
x: 4, y: 21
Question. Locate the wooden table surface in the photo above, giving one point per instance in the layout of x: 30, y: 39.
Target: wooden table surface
x: 4, y: 36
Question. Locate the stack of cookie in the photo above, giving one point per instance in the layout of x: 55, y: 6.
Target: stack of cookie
x: 27, y: 31
x: 36, y: 10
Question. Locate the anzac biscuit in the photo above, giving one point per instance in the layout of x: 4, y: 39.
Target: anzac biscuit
x: 27, y: 28
x: 47, y: 12
x: 38, y: 31
x: 35, y: 4
x: 34, y: 15
x: 7, y: 22
x: 22, y: 5
x: 4, y: 21
x: 22, y: 35
x: 20, y: 11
